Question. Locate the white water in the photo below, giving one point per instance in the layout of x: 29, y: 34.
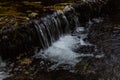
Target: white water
x: 62, y: 52
x: 3, y: 74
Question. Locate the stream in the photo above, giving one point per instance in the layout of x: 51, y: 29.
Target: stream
x: 69, y: 50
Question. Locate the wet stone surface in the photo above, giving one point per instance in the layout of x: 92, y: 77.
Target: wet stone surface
x: 102, y: 62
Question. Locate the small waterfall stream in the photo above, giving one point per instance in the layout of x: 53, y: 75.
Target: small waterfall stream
x: 62, y: 52
x: 51, y: 28
x: 58, y: 41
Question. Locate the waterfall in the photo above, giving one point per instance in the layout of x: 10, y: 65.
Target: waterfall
x: 52, y: 27
x: 62, y: 51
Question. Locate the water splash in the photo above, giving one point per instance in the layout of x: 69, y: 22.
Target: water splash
x: 62, y: 51
x: 3, y: 74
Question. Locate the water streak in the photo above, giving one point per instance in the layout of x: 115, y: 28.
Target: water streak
x: 62, y: 51
x: 3, y: 74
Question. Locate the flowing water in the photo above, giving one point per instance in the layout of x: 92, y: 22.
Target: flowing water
x: 3, y: 74
x: 62, y: 52
x: 59, y: 43
x: 51, y: 27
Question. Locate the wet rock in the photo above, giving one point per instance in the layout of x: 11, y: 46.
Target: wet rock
x: 106, y: 68
x: 85, y: 49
